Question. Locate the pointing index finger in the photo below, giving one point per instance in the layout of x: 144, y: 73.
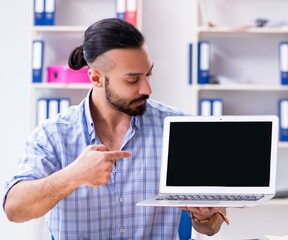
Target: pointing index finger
x: 118, y: 154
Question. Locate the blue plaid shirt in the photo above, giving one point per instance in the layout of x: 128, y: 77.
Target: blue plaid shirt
x: 109, y: 211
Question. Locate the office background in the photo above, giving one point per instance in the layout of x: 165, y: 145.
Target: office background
x: 14, y: 105
x: 167, y: 38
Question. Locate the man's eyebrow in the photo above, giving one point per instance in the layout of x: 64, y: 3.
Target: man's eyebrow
x: 136, y: 74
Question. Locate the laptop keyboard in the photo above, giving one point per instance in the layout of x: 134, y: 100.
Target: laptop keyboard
x: 212, y: 197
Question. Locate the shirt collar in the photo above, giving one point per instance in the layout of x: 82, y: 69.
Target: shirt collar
x: 135, y: 120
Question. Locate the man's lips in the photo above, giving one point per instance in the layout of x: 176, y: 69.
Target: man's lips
x: 139, y: 102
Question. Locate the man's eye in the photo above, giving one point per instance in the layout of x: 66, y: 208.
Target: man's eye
x: 134, y: 79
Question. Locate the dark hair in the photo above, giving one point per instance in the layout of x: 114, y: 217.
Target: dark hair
x: 102, y: 36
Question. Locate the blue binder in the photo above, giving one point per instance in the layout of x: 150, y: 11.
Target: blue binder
x: 205, y: 107
x: 49, y: 107
x: 203, y: 62
x: 217, y: 106
x: 37, y: 60
x: 39, y: 12
x: 120, y: 9
x: 41, y: 110
x: 190, y: 62
x: 49, y: 12
x: 283, y: 62
x: 283, y: 119
x: 211, y: 107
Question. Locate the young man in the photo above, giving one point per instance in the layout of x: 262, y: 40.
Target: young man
x: 87, y: 168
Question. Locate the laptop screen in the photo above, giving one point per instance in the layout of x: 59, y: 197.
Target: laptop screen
x: 219, y: 153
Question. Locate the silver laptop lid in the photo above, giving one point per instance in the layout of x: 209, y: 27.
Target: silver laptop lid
x: 227, y: 154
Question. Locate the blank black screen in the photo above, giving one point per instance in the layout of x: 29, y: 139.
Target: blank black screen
x: 219, y: 154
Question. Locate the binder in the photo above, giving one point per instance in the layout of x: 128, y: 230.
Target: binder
x: 42, y: 110
x: 190, y: 62
x: 121, y: 9
x: 50, y: 107
x: 217, y: 107
x: 211, y: 107
x: 49, y: 12
x: 283, y: 119
x: 64, y: 103
x: 38, y: 12
x: 131, y: 12
x: 53, y: 107
x: 205, y: 107
x: 283, y: 62
x: 37, y: 61
x: 203, y: 62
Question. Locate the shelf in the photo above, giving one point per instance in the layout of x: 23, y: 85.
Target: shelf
x: 61, y: 86
x: 234, y: 30
x: 59, y: 29
x: 277, y: 202
x: 242, y: 87
x: 282, y: 144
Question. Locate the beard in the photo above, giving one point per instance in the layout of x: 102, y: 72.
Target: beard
x: 121, y: 104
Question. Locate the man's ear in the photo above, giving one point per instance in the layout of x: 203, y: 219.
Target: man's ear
x: 95, y: 77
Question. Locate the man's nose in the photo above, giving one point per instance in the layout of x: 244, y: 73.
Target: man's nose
x: 145, y: 88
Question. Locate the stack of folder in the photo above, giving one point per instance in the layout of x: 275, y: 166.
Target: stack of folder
x: 127, y: 10
x: 50, y: 107
x: 44, y: 12
x: 211, y: 107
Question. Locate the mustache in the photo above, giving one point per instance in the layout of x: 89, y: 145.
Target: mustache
x: 142, y: 98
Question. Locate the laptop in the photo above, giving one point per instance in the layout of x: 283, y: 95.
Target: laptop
x: 226, y: 161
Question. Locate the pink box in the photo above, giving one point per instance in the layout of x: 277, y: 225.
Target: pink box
x: 62, y: 74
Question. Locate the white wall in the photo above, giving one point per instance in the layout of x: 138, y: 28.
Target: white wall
x: 14, y: 96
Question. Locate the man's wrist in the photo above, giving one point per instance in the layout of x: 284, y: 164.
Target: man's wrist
x: 213, y: 219
x: 198, y: 220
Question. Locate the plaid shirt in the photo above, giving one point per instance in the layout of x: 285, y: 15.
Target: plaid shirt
x: 109, y: 211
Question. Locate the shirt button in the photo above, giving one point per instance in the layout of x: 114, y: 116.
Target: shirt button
x: 113, y: 170
x: 121, y: 199
x: 122, y: 230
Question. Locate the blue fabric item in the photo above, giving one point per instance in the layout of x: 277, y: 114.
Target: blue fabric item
x: 185, y: 226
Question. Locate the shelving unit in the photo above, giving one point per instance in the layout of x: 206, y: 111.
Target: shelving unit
x: 239, y: 50
x: 72, y: 18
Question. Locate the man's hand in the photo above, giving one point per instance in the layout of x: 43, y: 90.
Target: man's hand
x: 207, y: 220
x: 93, y: 166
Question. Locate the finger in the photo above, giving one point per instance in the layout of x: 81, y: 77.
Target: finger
x: 117, y: 154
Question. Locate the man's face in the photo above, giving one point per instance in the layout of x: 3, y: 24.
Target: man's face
x: 133, y: 107
x: 127, y: 87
